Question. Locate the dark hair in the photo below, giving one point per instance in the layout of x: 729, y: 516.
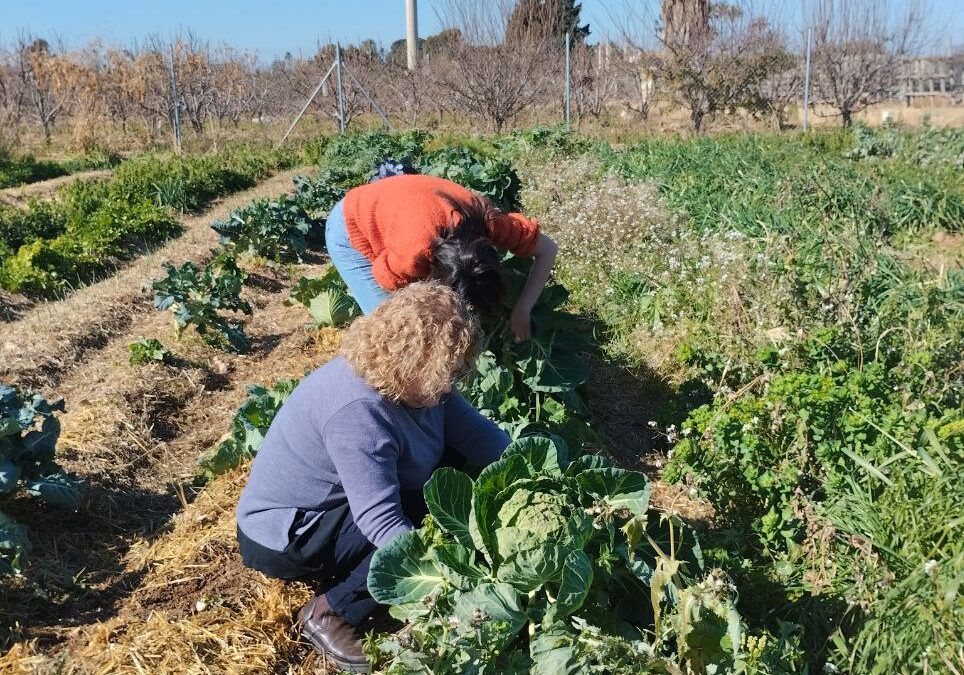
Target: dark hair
x: 465, y: 259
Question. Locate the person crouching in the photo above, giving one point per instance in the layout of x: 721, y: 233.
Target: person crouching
x: 342, y: 467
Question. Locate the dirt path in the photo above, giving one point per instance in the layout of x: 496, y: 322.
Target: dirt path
x: 135, y: 434
x: 19, y: 195
x: 53, y: 337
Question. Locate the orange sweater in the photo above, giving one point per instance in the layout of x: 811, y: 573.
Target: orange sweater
x: 393, y: 222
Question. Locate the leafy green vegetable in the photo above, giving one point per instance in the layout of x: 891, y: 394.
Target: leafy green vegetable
x: 275, y: 230
x: 248, y: 427
x: 540, y: 541
x: 146, y: 350
x: 195, y: 296
x: 534, y: 386
x: 28, y: 440
x: 493, y: 177
x: 326, y: 298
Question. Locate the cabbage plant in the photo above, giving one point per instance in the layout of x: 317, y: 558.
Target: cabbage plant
x: 28, y: 440
x: 546, y: 565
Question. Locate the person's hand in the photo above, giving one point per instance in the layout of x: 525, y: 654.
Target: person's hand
x: 520, y: 321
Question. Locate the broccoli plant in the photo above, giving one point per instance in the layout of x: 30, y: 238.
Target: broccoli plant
x: 276, y: 230
x: 515, y: 571
x: 326, y: 298
x: 195, y: 297
x: 248, y: 427
x: 493, y: 177
x: 534, y: 385
x: 28, y: 440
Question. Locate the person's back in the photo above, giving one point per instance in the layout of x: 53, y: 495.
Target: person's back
x: 306, y: 466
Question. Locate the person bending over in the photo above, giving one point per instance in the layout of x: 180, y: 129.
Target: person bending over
x: 342, y: 467
x: 397, y: 230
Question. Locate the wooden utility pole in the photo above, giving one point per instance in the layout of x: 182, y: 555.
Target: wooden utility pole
x: 411, y: 33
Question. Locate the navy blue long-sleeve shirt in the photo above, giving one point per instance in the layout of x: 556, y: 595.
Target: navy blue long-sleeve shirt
x: 337, y: 439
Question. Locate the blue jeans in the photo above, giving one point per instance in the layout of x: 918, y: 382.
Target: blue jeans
x: 353, y: 267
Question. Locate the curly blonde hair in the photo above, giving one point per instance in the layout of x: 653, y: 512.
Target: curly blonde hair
x: 417, y: 340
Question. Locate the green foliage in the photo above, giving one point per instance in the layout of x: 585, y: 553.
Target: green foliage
x: 512, y: 572
x: 114, y: 231
x: 927, y: 146
x: 326, y: 298
x: 28, y: 441
x: 248, y: 427
x: 273, y: 229
x: 816, y: 362
x: 186, y: 183
x: 196, y: 296
x: 534, y: 385
x: 358, y: 154
x: 26, y: 169
x: 763, y: 184
x: 41, y: 220
x: 545, y: 142
x: 55, y: 246
x: 493, y: 177
x: 147, y: 350
x: 908, y: 508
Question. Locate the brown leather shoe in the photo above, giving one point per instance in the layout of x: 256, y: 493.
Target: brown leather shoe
x: 331, y: 635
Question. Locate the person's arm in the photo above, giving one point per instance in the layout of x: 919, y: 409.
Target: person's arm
x: 364, y: 450
x: 520, y: 321
x: 470, y: 434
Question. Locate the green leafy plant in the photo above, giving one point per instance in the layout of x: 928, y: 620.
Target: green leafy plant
x: 28, y: 440
x: 196, y: 296
x: 56, y: 246
x: 147, y: 350
x: 326, y: 298
x: 248, y: 427
x: 510, y: 570
x: 493, y: 177
x: 275, y: 230
x: 358, y: 154
x: 534, y: 385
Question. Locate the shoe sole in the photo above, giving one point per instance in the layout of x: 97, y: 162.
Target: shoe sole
x: 323, y: 647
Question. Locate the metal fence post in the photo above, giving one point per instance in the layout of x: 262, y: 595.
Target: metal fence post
x: 341, y: 96
x: 568, y: 77
x: 307, y: 103
x: 176, y: 115
x: 806, y: 82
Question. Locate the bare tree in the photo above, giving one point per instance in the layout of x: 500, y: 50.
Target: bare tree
x: 859, y: 47
x: 720, y: 65
x: 637, y: 77
x: 40, y: 76
x: 780, y: 89
x: 492, y: 78
x: 594, y: 80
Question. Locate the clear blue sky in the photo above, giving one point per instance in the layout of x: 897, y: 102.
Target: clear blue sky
x: 272, y: 27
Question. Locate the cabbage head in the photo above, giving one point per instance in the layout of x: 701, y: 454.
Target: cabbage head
x: 531, y: 518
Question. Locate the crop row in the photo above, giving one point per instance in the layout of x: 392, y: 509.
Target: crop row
x: 23, y: 169
x: 54, y: 246
x: 467, y: 600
